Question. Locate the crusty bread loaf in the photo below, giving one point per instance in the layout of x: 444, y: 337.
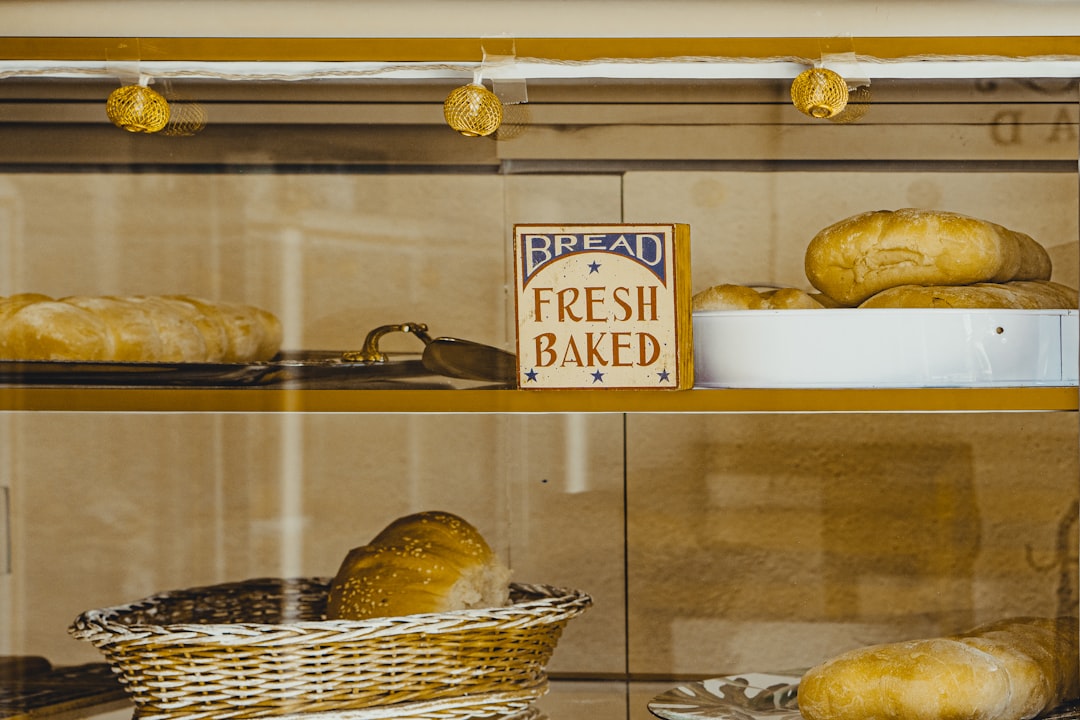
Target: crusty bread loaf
x: 1008, y: 670
x: 247, y: 331
x: 1035, y: 262
x: 13, y: 303
x: 429, y: 562
x: 1019, y: 295
x: 132, y: 331
x: 789, y: 299
x: 743, y: 297
x: 51, y: 330
x: 165, y: 329
x: 864, y: 254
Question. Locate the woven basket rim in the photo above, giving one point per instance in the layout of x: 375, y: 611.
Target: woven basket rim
x: 104, y: 625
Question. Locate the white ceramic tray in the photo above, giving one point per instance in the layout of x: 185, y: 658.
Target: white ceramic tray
x: 866, y: 347
x: 751, y: 696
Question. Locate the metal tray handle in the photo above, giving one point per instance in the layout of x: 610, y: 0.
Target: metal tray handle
x: 370, y: 352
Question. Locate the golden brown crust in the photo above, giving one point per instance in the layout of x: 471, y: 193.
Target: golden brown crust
x: 743, y: 297
x: 134, y: 335
x: 172, y: 329
x: 180, y: 338
x: 429, y: 562
x: 1009, y: 670
x: 937, y: 679
x: 204, y: 318
x: 727, y: 297
x: 1018, y: 295
x: 1039, y: 657
x: 1052, y: 295
x: 245, y: 331
x: 30, y: 333
x: 790, y: 299
x: 13, y: 303
x: 1035, y: 263
x: 864, y: 254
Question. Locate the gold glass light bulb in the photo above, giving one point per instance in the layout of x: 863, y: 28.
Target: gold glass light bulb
x: 137, y: 108
x: 473, y: 110
x: 819, y: 93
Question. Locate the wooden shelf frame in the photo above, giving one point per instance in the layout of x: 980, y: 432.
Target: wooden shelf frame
x: 465, y: 49
x: 741, y: 400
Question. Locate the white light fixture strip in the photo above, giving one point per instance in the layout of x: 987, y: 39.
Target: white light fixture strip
x: 534, y: 69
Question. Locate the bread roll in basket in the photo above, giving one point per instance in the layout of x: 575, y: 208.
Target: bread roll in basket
x: 426, y: 562
x: 269, y: 648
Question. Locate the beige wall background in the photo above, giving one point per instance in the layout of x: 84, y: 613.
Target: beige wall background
x: 739, y: 237
x: 543, y: 18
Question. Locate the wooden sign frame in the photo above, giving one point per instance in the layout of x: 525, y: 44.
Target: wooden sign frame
x: 603, y: 306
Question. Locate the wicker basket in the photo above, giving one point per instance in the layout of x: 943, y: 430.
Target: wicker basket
x: 261, y: 648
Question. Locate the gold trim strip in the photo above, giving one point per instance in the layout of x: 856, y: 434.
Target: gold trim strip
x: 283, y: 49
x: 1023, y: 399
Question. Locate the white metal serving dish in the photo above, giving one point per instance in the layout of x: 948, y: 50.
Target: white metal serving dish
x: 872, y: 347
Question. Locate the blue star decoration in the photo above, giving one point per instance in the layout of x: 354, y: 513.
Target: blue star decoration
x: 664, y: 377
x: 530, y: 376
x: 594, y: 267
x: 598, y: 377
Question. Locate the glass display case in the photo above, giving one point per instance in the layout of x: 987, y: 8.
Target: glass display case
x: 718, y: 531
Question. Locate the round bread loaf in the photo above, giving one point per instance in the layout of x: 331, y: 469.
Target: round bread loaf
x: 1009, y: 670
x: 790, y: 299
x: 429, y: 562
x: 728, y: 297
x: 864, y: 254
x: 744, y: 297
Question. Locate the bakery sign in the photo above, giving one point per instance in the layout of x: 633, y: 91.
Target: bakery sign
x: 603, y: 306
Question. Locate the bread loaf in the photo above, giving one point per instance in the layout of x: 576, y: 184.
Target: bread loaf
x: 1019, y: 295
x: 790, y: 299
x: 1008, y: 670
x: 430, y: 562
x: 743, y: 297
x: 864, y: 254
x: 165, y: 329
x: 13, y: 303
